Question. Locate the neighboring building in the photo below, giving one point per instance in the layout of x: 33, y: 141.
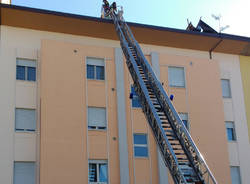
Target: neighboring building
x: 66, y: 116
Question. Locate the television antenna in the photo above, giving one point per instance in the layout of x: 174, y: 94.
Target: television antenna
x: 218, y: 18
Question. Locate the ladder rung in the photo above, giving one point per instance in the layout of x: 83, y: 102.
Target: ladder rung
x: 180, y: 153
x: 177, y: 149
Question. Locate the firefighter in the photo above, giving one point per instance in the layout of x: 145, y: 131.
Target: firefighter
x: 113, y: 7
x: 105, y: 8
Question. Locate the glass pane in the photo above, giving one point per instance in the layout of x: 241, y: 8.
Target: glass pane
x: 230, y: 134
x: 185, y: 123
x: 141, y: 151
x: 92, y: 173
x: 225, y: 85
x: 230, y: 131
x: 90, y: 72
x: 133, y: 90
x: 31, y: 73
x: 140, y: 139
x: 176, y: 76
x: 20, y: 72
x: 103, y: 175
x: 100, y: 72
x: 135, y: 101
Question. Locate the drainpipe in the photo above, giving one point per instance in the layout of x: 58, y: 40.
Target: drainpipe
x: 215, y: 46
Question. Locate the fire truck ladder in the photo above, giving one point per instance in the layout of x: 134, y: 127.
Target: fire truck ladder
x: 179, y: 152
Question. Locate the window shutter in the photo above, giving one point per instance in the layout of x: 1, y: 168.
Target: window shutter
x: 225, y: 85
x: 24, y: 173
x: 176, y: 76
x: 229, y: 124
x: 95, y: 61
x: 25, y: 62
x: 97, y: 117
x: 25, y: 119
x: 235, y: 175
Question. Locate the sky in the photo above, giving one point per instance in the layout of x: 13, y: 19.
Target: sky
x: 164, y: 13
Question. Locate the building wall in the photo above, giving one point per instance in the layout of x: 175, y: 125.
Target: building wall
x: 234, y: 110
x: 62, y: 116
x: 66, y: 145
x: 16, y: 146
x: 7, y: 107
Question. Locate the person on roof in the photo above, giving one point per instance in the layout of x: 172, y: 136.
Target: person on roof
x: 105, y: 9
x: 113, y: 7
x: 120, y: 13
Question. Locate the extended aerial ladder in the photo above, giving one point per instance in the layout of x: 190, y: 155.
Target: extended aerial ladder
x: 179, y: 152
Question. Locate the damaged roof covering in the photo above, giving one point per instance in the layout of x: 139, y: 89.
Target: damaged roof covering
x: 52, y: 21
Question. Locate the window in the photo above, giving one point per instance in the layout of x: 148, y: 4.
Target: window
x: 95, y: 69
x: 235, y: 174
x: 176, y: 76
x: 140, y: 145
x: 25, y: 119
x: 226, y: 90
x: 184, y: 118
x: 25, y: 70
x: 135, y: 100
x: 97, y: 118
x: 230, y: 131
x: 24, y: 173
x: 98, y: 171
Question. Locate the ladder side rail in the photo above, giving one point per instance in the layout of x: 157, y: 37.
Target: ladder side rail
x: 153, y: 117
x: 181, y: 130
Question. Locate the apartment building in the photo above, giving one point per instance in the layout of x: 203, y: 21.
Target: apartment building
x: 66, y: 115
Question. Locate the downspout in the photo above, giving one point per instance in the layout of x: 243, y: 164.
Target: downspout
x: 215, y: 46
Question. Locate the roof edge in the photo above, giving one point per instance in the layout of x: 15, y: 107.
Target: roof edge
x: 139, y: 25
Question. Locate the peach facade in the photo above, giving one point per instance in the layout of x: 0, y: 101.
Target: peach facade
x: 66, y: 144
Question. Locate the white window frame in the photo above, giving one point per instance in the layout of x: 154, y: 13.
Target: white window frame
x: 184, y: 77
x: 96, y: 127
x: 95, y: 62
x: 229, y: 88
x: 140, y: 145
x: 26, y: 63
x: 97, y: 162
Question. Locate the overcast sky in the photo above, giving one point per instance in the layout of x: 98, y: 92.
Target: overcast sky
x: 165, y: 13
